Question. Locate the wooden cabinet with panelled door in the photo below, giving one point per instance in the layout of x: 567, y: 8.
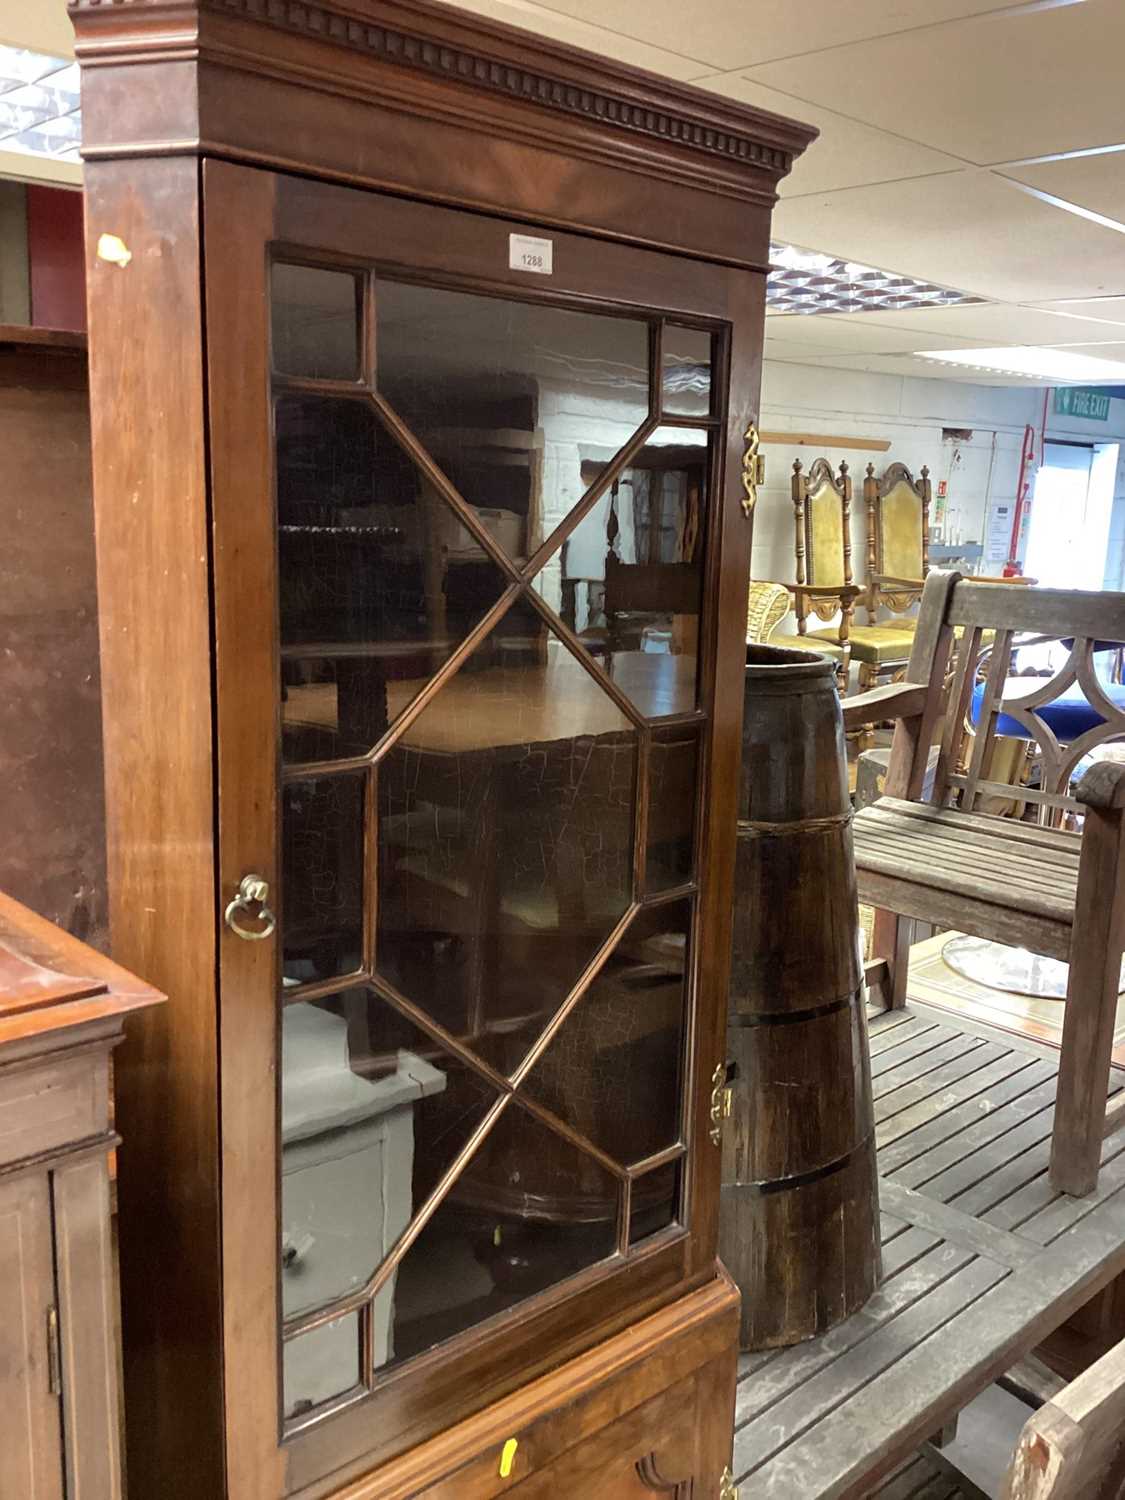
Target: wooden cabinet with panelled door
x: 62, y: 1009
x: 424, y: 373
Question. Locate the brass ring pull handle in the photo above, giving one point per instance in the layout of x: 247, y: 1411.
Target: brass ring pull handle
x: 252, y: 892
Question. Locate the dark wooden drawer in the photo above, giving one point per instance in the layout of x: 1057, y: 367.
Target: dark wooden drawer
x: 650, y: 1411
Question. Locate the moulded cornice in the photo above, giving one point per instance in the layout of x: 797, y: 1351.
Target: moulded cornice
x: 441, y: 43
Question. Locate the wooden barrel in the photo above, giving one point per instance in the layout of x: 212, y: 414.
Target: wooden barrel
x: 799, y: 1222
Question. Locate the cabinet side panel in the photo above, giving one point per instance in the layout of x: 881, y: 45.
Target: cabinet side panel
x: 147, y: 412
x: 717, y: 1389
x: 723, y: 666
x: 31, y: 1450
x: 84, y: 1261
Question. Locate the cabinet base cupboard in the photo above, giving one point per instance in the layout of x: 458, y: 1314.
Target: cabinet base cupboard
x: 62, y: 1010
x: 424, y: 365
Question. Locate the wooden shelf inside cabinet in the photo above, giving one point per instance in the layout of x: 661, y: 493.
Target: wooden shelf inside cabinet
x: 62, y: 1010
x: 55, y: 340
x: 427, y: 1120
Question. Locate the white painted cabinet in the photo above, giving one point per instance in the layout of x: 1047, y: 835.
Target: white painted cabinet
x: 347, y: 1170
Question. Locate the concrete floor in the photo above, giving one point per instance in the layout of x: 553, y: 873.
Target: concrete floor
x: 986, y: 1438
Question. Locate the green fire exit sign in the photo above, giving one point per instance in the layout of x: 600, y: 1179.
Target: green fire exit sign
x: 1081, y: 401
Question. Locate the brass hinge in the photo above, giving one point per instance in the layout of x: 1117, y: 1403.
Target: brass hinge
x: 753, y: 469
x: 728, y: 1490
x: 54, y: 1353
x: 721, y: 1100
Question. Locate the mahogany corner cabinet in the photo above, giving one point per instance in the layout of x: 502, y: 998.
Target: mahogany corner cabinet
x: 424, y: 364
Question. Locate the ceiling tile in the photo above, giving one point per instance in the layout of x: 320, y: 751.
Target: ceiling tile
x: 730, y: 33
x: 970, y: 230
x: 41, y: 25
x: 1100, y: 309
x: 796, y: 354
x: 847, y: 154
x: 1093, y: 182
x: 549, y: 21
x: 47, y: 169
x: 1114, y: 350
x: 898, y: 364
x: 989, y: 323
x: 874, y: 364
x: 859, y: 333
x: 990, y: 89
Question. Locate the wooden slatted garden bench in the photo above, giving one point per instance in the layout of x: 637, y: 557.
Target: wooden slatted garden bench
x: 982, y: 1260
x: 1044, y: 888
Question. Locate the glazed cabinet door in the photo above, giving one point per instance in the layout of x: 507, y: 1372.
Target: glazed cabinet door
x: 466, y: 533
x: 31, y: 1453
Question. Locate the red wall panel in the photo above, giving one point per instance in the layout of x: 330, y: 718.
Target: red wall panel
x: 58, y: 258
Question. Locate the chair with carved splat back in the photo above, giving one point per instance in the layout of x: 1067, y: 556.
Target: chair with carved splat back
x: 824, y: 587
x: 926, y: 851
x: 898, y: 531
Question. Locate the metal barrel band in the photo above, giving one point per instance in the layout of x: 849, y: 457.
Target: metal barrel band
x: 770, y: 1185
x: 790, y: 1017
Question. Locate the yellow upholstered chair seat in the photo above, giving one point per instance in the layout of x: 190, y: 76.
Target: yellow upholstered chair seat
x: 874, y: 643
x: 820, y: 641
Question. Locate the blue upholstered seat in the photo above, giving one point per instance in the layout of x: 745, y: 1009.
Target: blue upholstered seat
x: 1069, y: 716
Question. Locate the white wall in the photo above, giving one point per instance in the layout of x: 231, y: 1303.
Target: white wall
x: 586, y: 422
x: 910, y: 414
x: 1115, y: 549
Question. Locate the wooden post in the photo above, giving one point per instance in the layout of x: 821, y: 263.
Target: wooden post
x: 1095, y: 975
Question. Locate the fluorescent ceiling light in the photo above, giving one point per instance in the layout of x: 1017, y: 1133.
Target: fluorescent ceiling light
x: 808, y: 281
x: 794, y: 259
x: 1032, y: 364
x: 1029, y: 7
x: 39, y: 105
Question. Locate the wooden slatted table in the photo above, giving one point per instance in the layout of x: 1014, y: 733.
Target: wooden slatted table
x: 982, y: 1259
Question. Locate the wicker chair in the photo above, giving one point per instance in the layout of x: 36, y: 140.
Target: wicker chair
x: 767, y: 604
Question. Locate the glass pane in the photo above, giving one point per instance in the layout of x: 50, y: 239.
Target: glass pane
x: 655, y: 1202
x: 511, y: 398
x: 373, y: 1113
x: 321, y: 1365
x: 687, y: 371
x: 673, y: 772
x: 506, y: 840
x: 375, y: 587
x: 630, y: 575
x: 613, y: 1071
x: 315, y: 322
x: 529, y: 1211
x: 322, y: 858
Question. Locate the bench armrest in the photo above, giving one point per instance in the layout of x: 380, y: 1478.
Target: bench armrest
x: 1103, y: 786
x: 895, y: 700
